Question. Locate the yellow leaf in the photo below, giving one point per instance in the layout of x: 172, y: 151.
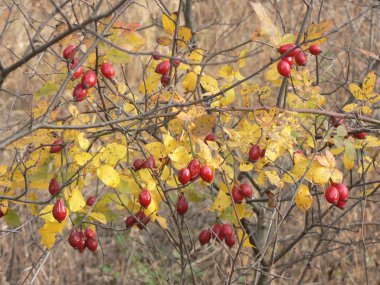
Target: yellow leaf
x: 164, y: 41
x: 4, y: 206
x: 162, y: 222
x: 225, y: 99
x: 113, y: 153
x: 46, y: 214
x: 222, y: 200
x: 226, y: 72
x: 273, y: 177
x: 242, y: 55
x: 348, y: 163
x: 76, y: 201
x: 245, y: 166
x: 180, y: 156
x: 149, y: 84
x: 303, y: 198
x: 169, y: 23
x: 108, y: 175
x: 185, y: 34
x: 82, y: 158
x: 337, y: 176
x: 99, y: 217
x: 196, y: 56
x: 121, y: 87
x: 350, y: 107
x: 152, y: 210
x: 49, y: 231
x: 369, y: 82
x: 241, y: 235
x: 189, y: 82
x: 367, y: 110
x: 357, y: 91
x: 209, y: 83
x: 73, y: 110
x: 83, y: 141
x: 130, y: 108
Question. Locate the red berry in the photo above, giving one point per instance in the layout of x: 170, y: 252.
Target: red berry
x: 315, y: 49
x: 254, y: 153
x: 149, y: 163
x: 53, y: 186
x: 138, y: 164
x: 206, y: 174
x: 163, y: 67
x: 284, y: 48
x: 204, y: 236
x: 336, y: 122
x: 89, y: 79
x: 230, y: 240
x: 236, y: 195
x: 165, y: 80
x: 145, y: 198
x: 74, y: 239
x: 332, y: 195
x: 73, y: 64
x: 209, y: 137
x: 69, y: 52
x: 226, y: 230
x: 156, y: 55
x: 182, y: 205
x: 194, y: 168
x: 79, y: 92
x: 56, y: 146
x: 142, y: 220
x: 92, y: 244
x: 283, y: 68
x: 289, y: 60
x: 343, y: 191
x: 130, y: 221
x: 245, y: 190
x: 341, y: 204
x: 184, y: 176
x: 59, y: 210
x: 176, y: 62
x: 89, y: 233
x: 360, y: 136
x: 90, y: 201
x: 107, y: 70
x: 82, y: 242
x: 217, y: 232
x: 262, y: 154
x: 301, y: 58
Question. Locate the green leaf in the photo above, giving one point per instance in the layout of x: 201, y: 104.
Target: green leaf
x: 48, y: 88
x: 117, y: 56
x: 11, y: 218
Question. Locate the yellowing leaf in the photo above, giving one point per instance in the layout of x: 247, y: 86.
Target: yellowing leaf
x: 82, y: 158
x: 121, y: 87
x: 348, y: 163
x: 244, y: 238
x: 83, y: 141
x: 196, y: 56
x: 162, y: 222
x: 369, y: 82
x: 46, y: 214
x: 47, y: 89
x: 49, y: 231
x: 209, y: 83
x: 222, y: 200
x: 357, y: 91
x: 303, y: 198
x: 189, y: 82
x: 180, y: 156
x: 169, y: 23
x: 367, y: 110
x: 76, y: 201
x: 245, y: 166
x: 185, y: 34
x: 350, y: 107
x: 99, y: 217
x: 149, y: 84
x: 113, y: 153
x: 108, y: 175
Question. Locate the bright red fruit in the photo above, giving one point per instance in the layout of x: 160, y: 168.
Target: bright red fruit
x: 289, y: 60
x: 301, y: 58
x: 130, y: 221
x: 341, y: 204
x: 343, y: 191
x: 217, y: 232
x: 92, y: 244
x: 156, y: 55
x: 89, y: 233
x: 206, y: 174
x: 236, y: 195
x: 230, y: 240
x: 315, y: 49
x: 53, y: 186
x: 107, y: 70
x: 163, y: 67
x: 194, y: 168
x: 262, y: 154
x: 59, y: 210
x: 73, y: 64
x: 332, y: 195
x: 69, y: 52
x: 283, y: 67
x: 56, y: 146
x: 82, y: 242
x: 226, y: 230
x: 89, y: 79
x: 360, y: 136
x: 210, y: 137
x: 336, y: 122
x: 165, y: 80
x: 204, y: 236
x: 74, y: 239
x: 145, y: 198
x: 149, y: 163
x: 79, y: 92
x: 254, y: 153
x: 90, y: 201
x: 184, y: 176
x: 284, y: 48
x: 142, y: 220
x: 182, y: 205
x: 245, y: 190
x: 138, y: 164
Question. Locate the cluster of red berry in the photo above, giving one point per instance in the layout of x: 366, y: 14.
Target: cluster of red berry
x: 139, y: 219
x: 219, y: 232
x: 290, y: 53
x: 240, y: 192
x: 89, y: 78
x: 193, y: 171
x: 149, y: 163
x: 337, y: 194
x: 163, y: 68
x: 79, y: 240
